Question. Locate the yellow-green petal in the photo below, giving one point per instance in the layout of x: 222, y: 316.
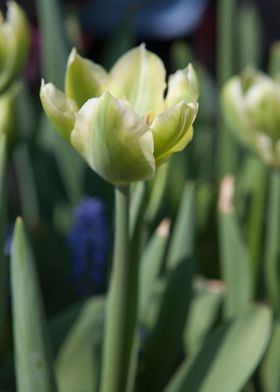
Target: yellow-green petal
x: 172, y: 130
x: 84, y: 79
x: 14, y: 44
x: 183, y: 85
x: 139, y: 77
x: 234, y: 110
x: 262, y: 102
x: 114, y: 140
x: 60, y: 110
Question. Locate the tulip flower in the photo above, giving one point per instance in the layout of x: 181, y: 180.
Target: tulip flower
x: 251, y: 105
x: 14, y: 44
x: 121, y: 122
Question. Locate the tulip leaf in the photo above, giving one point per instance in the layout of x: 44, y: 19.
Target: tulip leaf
x: 157, y: 192
x: 54, y: 59
x: 270, y: 374
x: 26, y: 184
x: 235, y: 265
x: 2, y: 236
x: 202, y: 315
x: 54, y: 46
x: 150, y: 265
x: 78, y: 361
x: 175, y: 302
x: 182, y: 244
x: 32, y: 351
x: 228, y: 357
x: 249, y: 35
x: 272, y: 249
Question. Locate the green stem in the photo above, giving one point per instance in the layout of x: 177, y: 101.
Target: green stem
x: 255, y: 226
x: 225, y: 68
x: 272, y: 241
x: 3, y: 227
x: 121, y: 307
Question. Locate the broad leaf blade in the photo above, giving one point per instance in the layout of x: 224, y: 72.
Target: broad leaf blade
x: 78, y: 361
x: 175, y: 302
x: 3, y: 157
x: 202, y: 315
x: 228, y: 357
x: 235, y: 265
x: 33, y: 362
x: 270, y: 370
x: 150, y: 265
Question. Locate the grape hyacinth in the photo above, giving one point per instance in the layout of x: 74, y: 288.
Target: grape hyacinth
x: 8, y: 241
x: 88, y: 241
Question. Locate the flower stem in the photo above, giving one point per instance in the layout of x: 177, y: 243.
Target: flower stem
x: 272, y: 242
x: 121, y: 306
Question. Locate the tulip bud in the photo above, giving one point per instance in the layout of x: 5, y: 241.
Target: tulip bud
x: 14, y: 44
x: 251, y: 106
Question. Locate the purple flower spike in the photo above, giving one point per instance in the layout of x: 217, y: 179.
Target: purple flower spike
x: 89, y: 242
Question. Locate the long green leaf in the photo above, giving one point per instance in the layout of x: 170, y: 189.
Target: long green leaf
x: 235, y: 265
x: 3, y: 157
x: 202, y: 314
x: 182, y: 243
x: 228, y: 358
x: 270, y: 371
x: 54, y: 58
x: 272, y: 249
x: 54, y: 47
x: 78, y: 362
x: 249, y: 35
x: 26, y: 183
x: 150, y: 265
x: 175, y: 302
x: 33, y: 361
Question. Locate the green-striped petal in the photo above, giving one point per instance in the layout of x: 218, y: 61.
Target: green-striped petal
x: 114, y: 140
x: 84, y: 79
x: 172, y: 130
x: 60, y: 110
x: 139, y: 77
x: 183, y: 85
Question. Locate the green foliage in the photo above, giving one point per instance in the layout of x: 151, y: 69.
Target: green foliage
x: 78, y: 361
x: 196, y: 303
x: 228, y: 357
x: 32, y: 352
x: 3, y: 226
x: 235, y: 265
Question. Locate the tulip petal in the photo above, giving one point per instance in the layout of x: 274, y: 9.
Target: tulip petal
x: 172, y: 130
x: 183, y: 85
x: 14, y: 43
x: 84, y: 79
x: 234, y: 110
x: 139, y: 77
x: 114, y: 140
x: 60, y: 110
x: 262, y: 102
